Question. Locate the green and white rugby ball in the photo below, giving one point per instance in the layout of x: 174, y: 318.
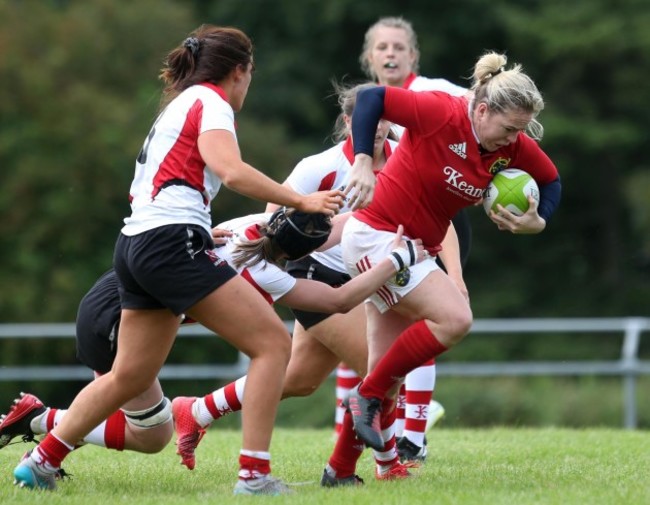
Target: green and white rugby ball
x: 510, y: 188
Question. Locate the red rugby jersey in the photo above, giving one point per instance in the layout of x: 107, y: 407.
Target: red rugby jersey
x: 439, y: 167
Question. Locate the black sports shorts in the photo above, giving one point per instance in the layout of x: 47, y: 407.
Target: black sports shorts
x: 309, y: 268
x: 98, y: 319
x: 173, y: 266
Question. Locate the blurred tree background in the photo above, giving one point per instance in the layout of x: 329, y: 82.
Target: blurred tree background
x: 79, y: 90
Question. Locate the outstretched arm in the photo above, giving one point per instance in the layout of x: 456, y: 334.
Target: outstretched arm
x: 221, y: 154
x: 272, y: 207
x: 320, y: 297
x: 366, y: 115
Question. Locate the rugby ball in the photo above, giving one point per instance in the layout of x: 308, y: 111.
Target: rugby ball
x: 510, y: 188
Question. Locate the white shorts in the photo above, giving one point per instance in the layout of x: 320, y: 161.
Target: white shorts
x: 363, y: 247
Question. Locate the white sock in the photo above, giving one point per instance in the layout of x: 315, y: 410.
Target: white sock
x: 97, y: 436
x: 39, y: 423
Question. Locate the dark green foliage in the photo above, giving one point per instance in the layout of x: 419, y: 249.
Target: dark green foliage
x: 79, y: 91
x: 80, y: 88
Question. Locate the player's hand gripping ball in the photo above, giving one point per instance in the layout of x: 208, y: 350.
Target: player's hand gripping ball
x: 510, y: 188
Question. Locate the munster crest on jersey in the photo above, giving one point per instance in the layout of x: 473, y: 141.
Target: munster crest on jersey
x: 499, y: 164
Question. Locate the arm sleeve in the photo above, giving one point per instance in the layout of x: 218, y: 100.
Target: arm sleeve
x: 549, y: 198
x: 367, y: 112
x: 532, y: 159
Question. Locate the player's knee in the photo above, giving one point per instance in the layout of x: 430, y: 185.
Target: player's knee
x: 160, y: 439
x: 273, y: 344
x: 459, y: 325
x: 132, y: 381
x: 297, y: 385
x: 280, y: 347
x: 292, y: 390
x: 154, y: 440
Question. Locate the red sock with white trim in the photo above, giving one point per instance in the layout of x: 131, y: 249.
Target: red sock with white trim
x: 400, y: 413
x: 110, y: 433
x: 51, y: 419
x: 51, y: 451
x: 415, y: 346
x: 254, y: 464
x: 219, y: 403
x: 115, y: 431
x: 347, y: 450
x: 346, y: 380
x: 387, y: 457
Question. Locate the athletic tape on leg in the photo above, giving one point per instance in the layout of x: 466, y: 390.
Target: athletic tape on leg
x: 151, y: 417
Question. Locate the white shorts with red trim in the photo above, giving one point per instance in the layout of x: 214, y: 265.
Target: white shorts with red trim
x: 364, y: 246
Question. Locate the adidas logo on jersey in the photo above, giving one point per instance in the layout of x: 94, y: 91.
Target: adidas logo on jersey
x: 459, y: 149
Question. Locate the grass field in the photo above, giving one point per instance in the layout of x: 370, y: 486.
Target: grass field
x: 490, y: 466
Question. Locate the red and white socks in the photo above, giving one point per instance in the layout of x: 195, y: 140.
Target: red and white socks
x: 418, y: 388
x: 50, y: 452
x: 346, y: 380
x: 415, y: 346
x: 387, y: 457
x: 347, y: 450
x: 254, y: 465
x: 110, y: 433
x: 219, y: 403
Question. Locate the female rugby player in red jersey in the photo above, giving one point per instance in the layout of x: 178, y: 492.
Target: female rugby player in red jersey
x: 451, y: 149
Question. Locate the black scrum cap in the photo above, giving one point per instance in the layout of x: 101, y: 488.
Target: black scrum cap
x: 298, y: 233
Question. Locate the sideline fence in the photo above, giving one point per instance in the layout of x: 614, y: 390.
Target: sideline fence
x: 629, y: 366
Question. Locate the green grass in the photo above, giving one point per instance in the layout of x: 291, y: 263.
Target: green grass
x: 465, y: 466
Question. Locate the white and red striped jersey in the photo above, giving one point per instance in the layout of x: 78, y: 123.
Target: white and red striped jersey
x: 329, y: 169
x: 439, y: 167
x: 172, y: 184
x: 270, y: 280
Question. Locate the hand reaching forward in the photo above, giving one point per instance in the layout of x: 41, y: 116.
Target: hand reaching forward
x: 406, y: 252
x: 327, y: 202
x: 220, y: 236
x: 361, y: 186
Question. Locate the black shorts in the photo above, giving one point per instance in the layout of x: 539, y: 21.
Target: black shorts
x: 309, y: 268
x: 173, y: 267
x: 98, y: 319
